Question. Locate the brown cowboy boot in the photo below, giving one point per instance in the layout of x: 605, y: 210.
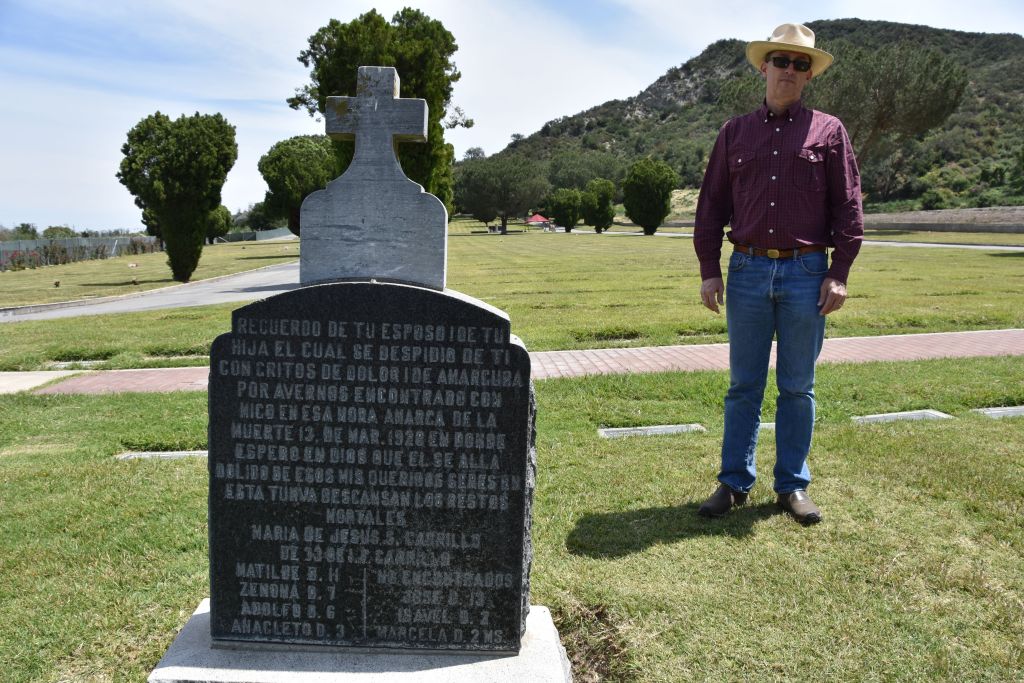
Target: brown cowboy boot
x: 800, y: 505
x: 721, y: 501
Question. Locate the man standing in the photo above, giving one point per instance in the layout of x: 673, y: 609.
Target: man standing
x: 786, y: 179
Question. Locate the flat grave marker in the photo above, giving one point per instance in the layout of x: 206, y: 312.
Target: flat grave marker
x: 926, y: 414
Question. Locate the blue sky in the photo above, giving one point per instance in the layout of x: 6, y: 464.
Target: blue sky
x: 76, y: 75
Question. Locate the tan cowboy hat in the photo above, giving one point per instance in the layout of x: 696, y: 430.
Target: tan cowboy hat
x: 792, y: 38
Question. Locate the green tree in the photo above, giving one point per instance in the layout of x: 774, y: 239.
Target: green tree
x: 474, y: 190
x: 596, y: 204
x: 292, y: 169
x: 691, y: 165
x: 257, y: 218
x: 564, y: 207
x: 176, y: 169
x: 647, y: 193
x: 218, y: 223
x: 898, y: 90
x: 573, y: 168
x: 22, y: 231
x: 59, y: 232
x: 150, y: 221
x: 506, y: 185
x: 420, y: 48
x: 1017, y: 171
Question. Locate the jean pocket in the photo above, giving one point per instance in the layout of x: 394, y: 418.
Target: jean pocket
x: 814, y: 264
x: 738, y: 262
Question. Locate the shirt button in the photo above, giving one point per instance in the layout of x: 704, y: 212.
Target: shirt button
x: 739, y: 161
x: 773, y: 177
x: 772, y: 203
x: 771, y: 230
x: 778, y: 130
x: 775, y: 152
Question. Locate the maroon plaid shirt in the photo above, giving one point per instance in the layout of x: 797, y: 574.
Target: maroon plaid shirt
x: 782, y: 182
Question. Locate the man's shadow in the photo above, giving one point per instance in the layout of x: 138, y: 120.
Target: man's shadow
x: 616, y: 534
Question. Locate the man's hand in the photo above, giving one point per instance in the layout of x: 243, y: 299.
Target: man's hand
x: 712, y: 293
x: 833, y: 294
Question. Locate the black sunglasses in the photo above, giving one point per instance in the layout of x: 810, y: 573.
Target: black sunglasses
x: 798, y: 64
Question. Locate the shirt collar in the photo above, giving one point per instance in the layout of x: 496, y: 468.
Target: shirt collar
x: 793, y: 112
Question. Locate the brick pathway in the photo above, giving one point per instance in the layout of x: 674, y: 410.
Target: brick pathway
x: 549, y: 364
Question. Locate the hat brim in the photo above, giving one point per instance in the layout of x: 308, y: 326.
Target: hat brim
x: 758, y: 51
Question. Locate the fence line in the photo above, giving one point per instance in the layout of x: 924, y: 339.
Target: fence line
x: 21, y: 254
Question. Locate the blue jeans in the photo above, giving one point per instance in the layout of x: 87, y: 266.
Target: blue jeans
x: 763, y: 298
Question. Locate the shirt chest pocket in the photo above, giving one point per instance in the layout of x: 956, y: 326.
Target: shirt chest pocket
x: 809, y: 170
x: 742, y: 170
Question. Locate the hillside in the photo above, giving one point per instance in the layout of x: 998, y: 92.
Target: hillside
x: 975, y: 158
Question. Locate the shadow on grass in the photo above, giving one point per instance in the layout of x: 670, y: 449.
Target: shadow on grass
x: 284, y: 287
x: 616, y: 534
x: 260, y: 258
x: 160, y: 281
x: 1004, y: 254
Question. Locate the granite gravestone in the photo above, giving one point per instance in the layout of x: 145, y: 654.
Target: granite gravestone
x: 372, y: 221
x: 371, y: 469
x: 371, y: 445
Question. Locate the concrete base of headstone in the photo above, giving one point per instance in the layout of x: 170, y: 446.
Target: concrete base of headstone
x: 192, y: 658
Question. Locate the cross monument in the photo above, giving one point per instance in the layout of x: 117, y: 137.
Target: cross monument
x: 373, y: 221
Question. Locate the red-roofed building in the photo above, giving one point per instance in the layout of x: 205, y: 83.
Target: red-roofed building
x: 536, y: 220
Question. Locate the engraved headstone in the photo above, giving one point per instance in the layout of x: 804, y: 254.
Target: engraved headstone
x: 372, y: 221
x: 371, y: 440
x: 371, y: 470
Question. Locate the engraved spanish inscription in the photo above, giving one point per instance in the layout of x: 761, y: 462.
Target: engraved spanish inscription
x: 371, y: 468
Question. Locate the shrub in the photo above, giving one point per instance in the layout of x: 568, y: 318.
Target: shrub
x: 938, y: 198
x: 564, y: 207
x: 647, y: 193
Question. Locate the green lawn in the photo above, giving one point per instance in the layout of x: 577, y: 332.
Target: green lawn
x: 1008, y: 239
x: 113, y: 276
x: 914, y: 574
x: 585, y: 291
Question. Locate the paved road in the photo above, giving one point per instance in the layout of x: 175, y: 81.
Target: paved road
x: 247, y: 286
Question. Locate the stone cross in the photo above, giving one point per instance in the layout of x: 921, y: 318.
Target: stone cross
x: 378, y: 120
x: 373, y: 222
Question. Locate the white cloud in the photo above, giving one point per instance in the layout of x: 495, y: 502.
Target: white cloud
x: 97, y: 68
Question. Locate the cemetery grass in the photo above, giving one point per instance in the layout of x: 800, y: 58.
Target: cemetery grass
x: 583, y: 291
x: 1008, y: 239
x: 914, y: 574
x: 113, y: 276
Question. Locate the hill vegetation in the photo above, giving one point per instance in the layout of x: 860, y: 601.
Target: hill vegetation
x: 975, y: 157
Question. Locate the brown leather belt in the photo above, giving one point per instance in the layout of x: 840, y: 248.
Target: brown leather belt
x: 779, y: 253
